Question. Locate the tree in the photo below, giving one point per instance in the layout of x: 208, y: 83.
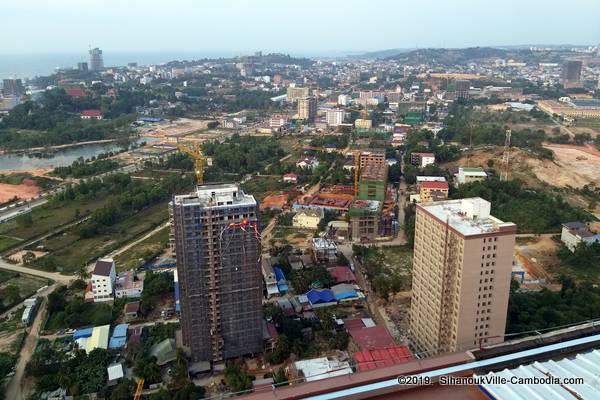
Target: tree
x: 236, y: 379
x: 28, y: 258
x: 148, y: 369
x: 190, y: 392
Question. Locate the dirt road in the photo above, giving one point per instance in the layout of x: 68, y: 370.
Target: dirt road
x: 14, y: 388
x: 55, y: 276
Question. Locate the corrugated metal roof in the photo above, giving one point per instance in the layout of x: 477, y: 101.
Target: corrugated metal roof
x: 584, y: 365
x: 99, y: 338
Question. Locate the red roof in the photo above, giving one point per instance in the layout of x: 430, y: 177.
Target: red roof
x: 353, y: 323
x: 91, y: 113
x: 76, y: 92
x: 341, y: 274
x: 379, y: 358
x: 376, y: 337
x: 290, y: 175
x: 434, y: 185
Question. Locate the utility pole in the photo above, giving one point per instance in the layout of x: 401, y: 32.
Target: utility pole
x: 506, y: 156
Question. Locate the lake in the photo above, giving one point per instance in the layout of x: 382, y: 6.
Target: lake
x: 60, y: 157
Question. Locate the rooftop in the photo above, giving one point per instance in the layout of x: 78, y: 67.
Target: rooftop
x: 217, y: 195
x: 103, y: 266
x: 467, y: 216
x: 434, y: 185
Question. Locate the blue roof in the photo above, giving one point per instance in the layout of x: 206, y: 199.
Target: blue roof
x: 346, y: 295
x: 279, y: 274
x: 117, y: 342
x: 177, y: 305
x: 283, y: 287
x: 120, y: 330
x: 119, y: 337
x: 150, y: 119
x: 320, y: 296
x: 82, y: 333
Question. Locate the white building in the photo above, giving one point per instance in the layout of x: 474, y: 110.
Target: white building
x: 322, y: 368
x: 335, y: 117
x: 277, y: 121
x: 344, y: 99
x: 103, y: 280
x: 127, y: 286
x: 574, y: 233
x: 470, y: 174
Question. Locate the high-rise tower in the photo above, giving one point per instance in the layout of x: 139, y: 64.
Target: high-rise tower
x: 461, y: 276
x: 96, y: 60
x: 217, y: 246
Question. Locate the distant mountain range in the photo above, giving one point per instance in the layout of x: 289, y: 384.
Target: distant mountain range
x: 458, y: 55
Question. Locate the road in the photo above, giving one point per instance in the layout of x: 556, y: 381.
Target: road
x: 55, y: 276
x: 44, y: 292
x: 14, y: 388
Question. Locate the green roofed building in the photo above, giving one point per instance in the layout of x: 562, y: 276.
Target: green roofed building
x: 373, y: 182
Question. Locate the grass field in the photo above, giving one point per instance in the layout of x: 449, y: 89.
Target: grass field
x: 143, y: 251
x: 68, y: 252
x: 27, y: 285
x: 49, y: 216
x: 398, y: 259
x: 7, y: 242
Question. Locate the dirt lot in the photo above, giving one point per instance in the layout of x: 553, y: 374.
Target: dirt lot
x: 22, y: 191
x: 180, y: 127
x: 18, y: 256
x: 573, y: 165
x: 537, y: 255
x: 7, y: 338
x: 578, y: 166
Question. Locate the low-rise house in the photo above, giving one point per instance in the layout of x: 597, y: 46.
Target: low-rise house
x: 321, y: 368
x: 290, y: 177
x: 574, y: 233
x: 115, y: 372
x: 131, y: 310
x: 308, y: 218
x: 29, y: 311
x: 325, y: 250
x: 433, y: 191
x: 128, y: 286
x: 269, y: 276
x: 309, y: 162
x: 341, y: 274
x: 91, y: 114
x: 470, y: 174
x: 422, y: 160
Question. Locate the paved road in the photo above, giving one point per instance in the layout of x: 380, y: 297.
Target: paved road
x: 14, y: 388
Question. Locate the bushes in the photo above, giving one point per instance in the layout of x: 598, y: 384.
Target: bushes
x: 534, y: 211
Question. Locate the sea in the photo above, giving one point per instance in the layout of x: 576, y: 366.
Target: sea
x: 29, y: 65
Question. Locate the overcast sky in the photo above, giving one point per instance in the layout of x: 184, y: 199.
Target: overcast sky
x: 296, y: 26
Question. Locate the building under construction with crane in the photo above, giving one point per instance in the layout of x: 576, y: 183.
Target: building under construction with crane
x: 217, y: 247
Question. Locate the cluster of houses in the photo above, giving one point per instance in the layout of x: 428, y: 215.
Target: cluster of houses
x: 106, y: 284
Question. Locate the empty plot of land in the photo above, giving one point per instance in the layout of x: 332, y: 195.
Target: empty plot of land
x: 24, y: 191
x: 181, y: 127
x: 578, y: 166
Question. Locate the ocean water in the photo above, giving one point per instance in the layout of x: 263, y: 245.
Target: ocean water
x: 29, y: 65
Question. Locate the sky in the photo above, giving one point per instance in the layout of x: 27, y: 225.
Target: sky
x: 299, y: 27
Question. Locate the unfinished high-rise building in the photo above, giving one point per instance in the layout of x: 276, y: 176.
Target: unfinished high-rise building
x: 217, y: 247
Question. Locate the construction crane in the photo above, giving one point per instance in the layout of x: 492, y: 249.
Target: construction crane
x: 196, y: 153
x: 506, y: 156
x: 138, y: 389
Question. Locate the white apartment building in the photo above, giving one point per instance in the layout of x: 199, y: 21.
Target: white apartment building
x: 103, y: 280
x: 335, y: 117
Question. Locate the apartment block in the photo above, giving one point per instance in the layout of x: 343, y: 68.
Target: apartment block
x: 422, y: 160
x: 376, y: 157
x: 307, y: 108
x: 296, y: 93
x: 461, y: 276
x: 218, y: 250
x: 103, y: 280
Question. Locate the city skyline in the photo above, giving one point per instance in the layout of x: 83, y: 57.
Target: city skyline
x: 404, y: 25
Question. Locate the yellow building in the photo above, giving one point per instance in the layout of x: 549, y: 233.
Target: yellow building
x: 307, y: 219
x: 360, y: 123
